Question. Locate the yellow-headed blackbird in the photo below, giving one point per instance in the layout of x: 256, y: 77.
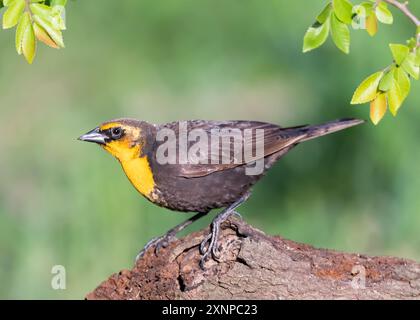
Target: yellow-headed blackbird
x: 220, y: 180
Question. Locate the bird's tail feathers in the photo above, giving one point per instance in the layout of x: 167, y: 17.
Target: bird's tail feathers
x: 329, y: 127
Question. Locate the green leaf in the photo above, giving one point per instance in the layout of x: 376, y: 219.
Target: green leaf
x: 13, y: 13
x: 410, y: 66
x: 395, y: 98
x: 367, y: 90
x: 412, y: 43
x: 55, y: 34
x: 359, y: 17
x: 363, y: 11
x: 417, y: 60
x: 383, y: 14
x: 43, y: 36
x: 340, y: 34
x: 343, y: 10
x: 378, y: 108
x: 399, y: 52
x: 41, y: 10
x: 368, y: 7
x: 59, y: 17
x: 24, y: 22
x: 325, y: 14
x: 385, y: 83
x: 372, y: 24
x: 29, y: 44
x: 315, y: 37
x: 53, y: 15
x: 403, y: 82
x: 359, y: 10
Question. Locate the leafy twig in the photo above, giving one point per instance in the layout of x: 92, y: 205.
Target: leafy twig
x: 35, y: 20
x: 388, y: 88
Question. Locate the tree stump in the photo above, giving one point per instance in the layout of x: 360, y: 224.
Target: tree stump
x: 256, y: 266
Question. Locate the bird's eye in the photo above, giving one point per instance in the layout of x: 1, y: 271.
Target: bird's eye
x: 116, y: 133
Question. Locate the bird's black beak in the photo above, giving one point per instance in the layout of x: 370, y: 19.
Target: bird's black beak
x: 94, y: 136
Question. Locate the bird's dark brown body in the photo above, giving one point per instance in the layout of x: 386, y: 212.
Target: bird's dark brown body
x: 201, y: 194
x: 186, y: 187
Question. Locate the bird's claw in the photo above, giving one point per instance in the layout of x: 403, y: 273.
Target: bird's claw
x: 158, y: 243
x: 203, y: 244
x: 236, y: 213
x: 212, y: 248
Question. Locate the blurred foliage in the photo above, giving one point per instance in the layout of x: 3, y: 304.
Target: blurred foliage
x: 66, y: 203
x: 35, y: 19
x: 389, y: 87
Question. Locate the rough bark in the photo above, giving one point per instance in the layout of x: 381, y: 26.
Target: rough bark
x: 256, y: 266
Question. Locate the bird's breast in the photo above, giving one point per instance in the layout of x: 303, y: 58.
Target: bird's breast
x: 140, y: 175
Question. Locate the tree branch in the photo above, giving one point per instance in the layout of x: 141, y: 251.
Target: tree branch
x: 403, y: 7
x: 256, y: 266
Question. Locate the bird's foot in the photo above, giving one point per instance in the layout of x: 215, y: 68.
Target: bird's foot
x: 209, y: 247
x: 158, y: 243
x: 163, y: 241
x: 212, y: 249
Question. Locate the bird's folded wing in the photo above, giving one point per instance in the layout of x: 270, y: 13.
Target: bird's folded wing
x: 227, y: 142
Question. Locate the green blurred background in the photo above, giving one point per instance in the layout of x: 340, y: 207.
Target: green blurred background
x: 63, y: 202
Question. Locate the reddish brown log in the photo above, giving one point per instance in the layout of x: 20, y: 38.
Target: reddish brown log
x: 256, y: 266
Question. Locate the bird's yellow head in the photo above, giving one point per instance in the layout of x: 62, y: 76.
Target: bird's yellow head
x: 128, y: 141
x: 122, y: 138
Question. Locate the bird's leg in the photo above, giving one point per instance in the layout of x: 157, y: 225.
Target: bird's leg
x: 163, y: 241
x: 212, y: 238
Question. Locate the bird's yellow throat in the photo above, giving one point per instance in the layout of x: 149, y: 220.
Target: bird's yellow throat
x: 135, y: 167
x: 140, y: 175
